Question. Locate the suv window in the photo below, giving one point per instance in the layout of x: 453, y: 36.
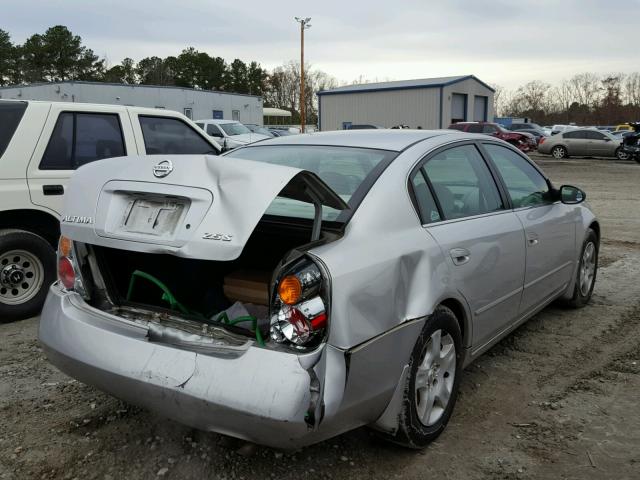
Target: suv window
x: 526, y: 186
x: 457, y: 126
x: 489, y: 129
x: 427, y: 207
x: 592, y: 135
x: 81, y: 138
x: 474, y: 128
x: 462, y: 183
x: 165, y: 135
x: 578, y: 134
x: 10, y: 115
x: 213, y: 130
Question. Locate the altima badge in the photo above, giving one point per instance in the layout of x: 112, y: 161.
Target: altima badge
x: 163, y: 168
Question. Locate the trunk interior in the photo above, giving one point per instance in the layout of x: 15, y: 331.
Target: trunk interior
x: 205, y: 288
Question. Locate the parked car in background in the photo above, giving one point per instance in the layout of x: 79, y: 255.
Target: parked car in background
x: 586, y: 142
x: 524, y: 141
x: 267, y: 320
x: 524, y: 126
x: 230, y: 133
x: 259, y: 129
x: 538, y: 134
x: 41, y: 144
x: 547, y: 130
x: 561, y: 128
x: 622, y: 133
x: 625, y: 127
x: 282, y: 132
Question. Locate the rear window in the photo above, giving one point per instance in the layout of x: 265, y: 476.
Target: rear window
x: 165, y: 135
x: 10, y: 115
x: 81, y: 138
x: 349, y: 172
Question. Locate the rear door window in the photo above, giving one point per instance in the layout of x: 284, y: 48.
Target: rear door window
x: 592, y: 135
x: 165, y: 135
x: 79, y: 138
x: 10, y: 115
x: 462, y: 183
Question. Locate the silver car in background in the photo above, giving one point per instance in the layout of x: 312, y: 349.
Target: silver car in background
x: 583, y: 142
x: 304, y: 286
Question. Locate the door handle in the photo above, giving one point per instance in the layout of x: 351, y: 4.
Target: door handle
x: 532, y: 239
x: 460, y: 256
x: 53, y: 190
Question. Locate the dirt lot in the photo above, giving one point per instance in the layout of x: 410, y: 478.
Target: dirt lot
x: 557, y: 399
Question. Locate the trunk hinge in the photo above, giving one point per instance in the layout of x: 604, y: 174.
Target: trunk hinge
x: 317, y: 219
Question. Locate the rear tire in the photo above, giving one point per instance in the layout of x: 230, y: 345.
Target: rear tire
x: 559, y: 152
x: 587, y: 271
x: 432, y: 385
x: 27, y: 269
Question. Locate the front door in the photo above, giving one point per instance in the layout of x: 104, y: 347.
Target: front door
x: 482, y: 240
x: 549, y: 227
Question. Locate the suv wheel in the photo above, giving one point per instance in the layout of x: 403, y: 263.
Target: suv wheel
x: 27, y: 269
x: 432, y: 385
x: 559, y: 152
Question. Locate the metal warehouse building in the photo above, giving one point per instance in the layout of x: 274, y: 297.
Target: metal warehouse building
x: 428, y: 103
x: 195, y: 104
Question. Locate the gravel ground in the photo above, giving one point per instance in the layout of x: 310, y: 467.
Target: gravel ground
x: 556, y: 399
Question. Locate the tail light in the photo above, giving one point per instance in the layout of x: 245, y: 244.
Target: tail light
x: 542, y: 139
x: 68, y: 268
x: 299, y: 305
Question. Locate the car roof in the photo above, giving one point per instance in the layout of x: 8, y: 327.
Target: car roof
x: 387, y: 139
x: 83, y: 105
x: 216, y: 121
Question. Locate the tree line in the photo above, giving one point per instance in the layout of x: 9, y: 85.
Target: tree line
x: 585, y: 99
x: 58, y: 55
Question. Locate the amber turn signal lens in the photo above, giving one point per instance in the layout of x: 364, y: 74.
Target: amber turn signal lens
x: 290, y: 290
x: 64, y: 246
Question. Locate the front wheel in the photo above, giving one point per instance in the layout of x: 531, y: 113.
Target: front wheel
x: 432, y: 384
x: 621, y: 154
x: 587, y: 271
x: 27, y: 268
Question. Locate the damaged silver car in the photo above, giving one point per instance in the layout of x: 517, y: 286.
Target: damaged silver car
x: 304, y: 286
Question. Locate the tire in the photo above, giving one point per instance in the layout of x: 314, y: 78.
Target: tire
x: 581, y: 293
x: 559, y: 152
x: 27, y: 269
x: 621, y: 154
x: 413, y: 431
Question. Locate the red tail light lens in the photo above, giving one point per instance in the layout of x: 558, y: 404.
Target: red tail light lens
x: 66, y: 273
x: 542, y: 139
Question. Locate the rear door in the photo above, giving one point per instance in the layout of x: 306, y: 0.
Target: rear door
x: 74, y: 136
x: 577, y: 142
x: 549, y: 227
x: 483, y: 241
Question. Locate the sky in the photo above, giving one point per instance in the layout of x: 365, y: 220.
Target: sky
x: 504, y: 42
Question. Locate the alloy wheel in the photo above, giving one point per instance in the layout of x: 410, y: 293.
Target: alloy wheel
x: 435, y: 377
x: 587, y: 268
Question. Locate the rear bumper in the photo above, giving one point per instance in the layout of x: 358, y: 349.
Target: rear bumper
x: 262, y: 395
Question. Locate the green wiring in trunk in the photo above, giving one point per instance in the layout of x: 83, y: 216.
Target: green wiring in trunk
x: 174, y: 304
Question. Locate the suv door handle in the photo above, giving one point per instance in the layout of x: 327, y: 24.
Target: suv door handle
x: 460, y: 256
x: 53, y: 190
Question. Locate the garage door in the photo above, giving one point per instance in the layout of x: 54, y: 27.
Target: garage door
x: 458, y: 104
x: 479, y: 109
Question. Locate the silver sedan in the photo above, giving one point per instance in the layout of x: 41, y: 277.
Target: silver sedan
x: 585, y: 142
x: 304, y: 286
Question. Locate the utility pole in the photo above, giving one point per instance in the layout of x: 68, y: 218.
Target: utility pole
x: 304, y: 24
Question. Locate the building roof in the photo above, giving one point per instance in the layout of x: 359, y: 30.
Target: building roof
x: 125, y: 85
x: 403, y: 85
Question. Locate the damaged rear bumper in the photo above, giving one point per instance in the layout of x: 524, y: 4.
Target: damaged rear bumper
x: 260, y: 395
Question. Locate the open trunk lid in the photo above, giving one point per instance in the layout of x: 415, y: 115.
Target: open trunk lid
x: 197, y: 206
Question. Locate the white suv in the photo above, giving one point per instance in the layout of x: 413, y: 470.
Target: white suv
x: 230, y: 133
x: 41, y: 144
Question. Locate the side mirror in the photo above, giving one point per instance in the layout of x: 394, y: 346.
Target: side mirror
x: 571, y: 195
